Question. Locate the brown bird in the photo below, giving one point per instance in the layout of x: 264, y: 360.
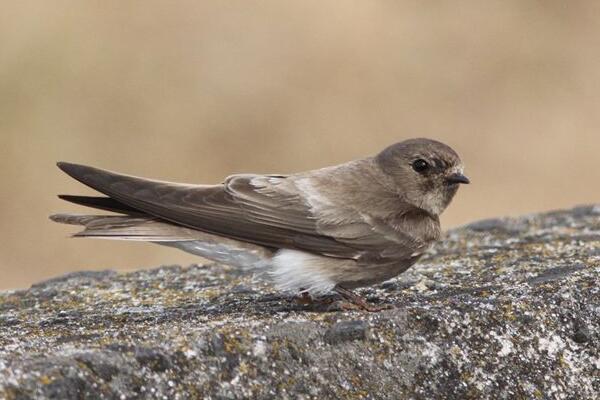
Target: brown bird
x: 316, y: 232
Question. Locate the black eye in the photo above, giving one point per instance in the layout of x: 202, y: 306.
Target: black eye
x: 420, y: 165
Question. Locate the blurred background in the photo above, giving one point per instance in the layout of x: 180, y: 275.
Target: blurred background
x: 193, y: 91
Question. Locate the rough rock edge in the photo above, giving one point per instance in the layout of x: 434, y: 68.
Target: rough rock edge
x: 504, y: 308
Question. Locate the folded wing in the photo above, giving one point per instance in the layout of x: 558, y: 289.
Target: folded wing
x: 268, y: 210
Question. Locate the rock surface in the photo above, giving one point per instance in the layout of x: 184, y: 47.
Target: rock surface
x: 499, y: 309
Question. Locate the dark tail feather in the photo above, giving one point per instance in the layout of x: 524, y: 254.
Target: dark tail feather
x: 101, y: 203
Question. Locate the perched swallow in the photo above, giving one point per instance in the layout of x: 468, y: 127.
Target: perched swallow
x: 326, y: 230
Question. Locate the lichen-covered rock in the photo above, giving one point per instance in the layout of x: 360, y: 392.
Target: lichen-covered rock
x: 499, y: 309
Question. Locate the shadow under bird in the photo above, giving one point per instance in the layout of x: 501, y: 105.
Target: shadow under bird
x: 323, y: 231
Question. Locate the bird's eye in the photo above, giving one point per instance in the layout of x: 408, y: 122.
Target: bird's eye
x: 420, y: 165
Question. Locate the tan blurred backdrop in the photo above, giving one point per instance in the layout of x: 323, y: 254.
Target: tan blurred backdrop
x: 193, y: 91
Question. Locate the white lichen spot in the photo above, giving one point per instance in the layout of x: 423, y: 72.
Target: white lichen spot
x: 506, y: 345
x: 423, y: 285
x: 190, y: 354
x: 552, y: 345
x: 259, y: 349
x: 432, y: 352
x: 507, y: 348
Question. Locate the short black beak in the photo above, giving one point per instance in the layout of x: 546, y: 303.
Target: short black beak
x: 457, y: 178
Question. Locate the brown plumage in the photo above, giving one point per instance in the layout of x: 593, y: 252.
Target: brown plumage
x: 343, y: 226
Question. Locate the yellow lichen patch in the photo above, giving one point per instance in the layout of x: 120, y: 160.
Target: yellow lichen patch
x: 209, y: 294
x: 276, y: 349
x: 466, y: 376
x: 508, y: 311
x: 562, y: 362
x: 244, y: 368
x: 232, y: 339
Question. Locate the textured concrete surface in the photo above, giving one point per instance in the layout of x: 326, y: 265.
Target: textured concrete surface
x: 506, y: 308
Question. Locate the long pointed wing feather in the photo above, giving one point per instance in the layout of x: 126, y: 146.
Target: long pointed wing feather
x: 240, y: 208
x: 100, y: 203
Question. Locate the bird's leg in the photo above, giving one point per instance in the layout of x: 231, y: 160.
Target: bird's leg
x: 352, y: 301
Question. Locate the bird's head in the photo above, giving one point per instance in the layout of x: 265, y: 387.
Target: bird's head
x: 425, y: 173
